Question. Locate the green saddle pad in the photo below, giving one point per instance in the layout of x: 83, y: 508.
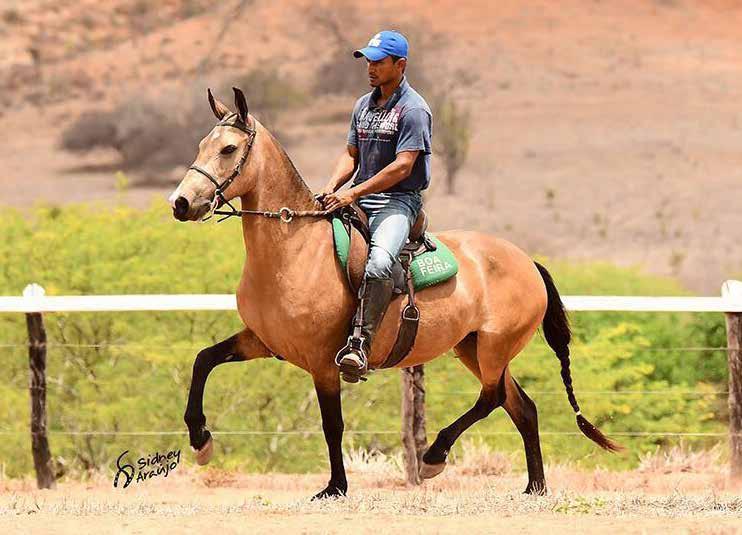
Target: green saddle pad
x: 428, y: 268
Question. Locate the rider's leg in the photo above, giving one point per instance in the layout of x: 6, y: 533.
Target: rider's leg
x: 389, y: 223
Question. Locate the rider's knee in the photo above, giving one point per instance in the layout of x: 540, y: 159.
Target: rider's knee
x: 379, y: 264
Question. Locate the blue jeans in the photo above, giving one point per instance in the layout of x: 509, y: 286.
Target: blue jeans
x: 390, y: 218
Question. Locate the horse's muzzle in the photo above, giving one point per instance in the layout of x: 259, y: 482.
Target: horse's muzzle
x: 183, y: 210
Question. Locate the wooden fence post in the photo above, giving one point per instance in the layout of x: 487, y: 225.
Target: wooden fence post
x: 414, y: 439
x: 733, y: 290
x: 37, y: 363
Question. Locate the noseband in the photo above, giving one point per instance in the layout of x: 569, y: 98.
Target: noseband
x: 222, y: 187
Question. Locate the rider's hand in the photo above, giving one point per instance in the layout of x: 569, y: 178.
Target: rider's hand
x: 327, y: 190
x: 324, y: 192
x: 333, y: 201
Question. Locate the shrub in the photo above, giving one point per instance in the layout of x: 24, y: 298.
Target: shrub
x: 13, y: 16
x: 452, y: 135
x: 92, y: 129
x: 151, y: 133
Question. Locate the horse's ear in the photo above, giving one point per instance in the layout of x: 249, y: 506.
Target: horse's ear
x: 219, y: 109
x: 241, y: 103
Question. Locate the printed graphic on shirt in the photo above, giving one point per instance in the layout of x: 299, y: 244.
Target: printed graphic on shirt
x: 378, y: 124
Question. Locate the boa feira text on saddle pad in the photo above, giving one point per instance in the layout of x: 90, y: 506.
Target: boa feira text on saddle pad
x: 428, y: 268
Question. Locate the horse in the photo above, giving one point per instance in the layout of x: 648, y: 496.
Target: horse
x: 296, y: 304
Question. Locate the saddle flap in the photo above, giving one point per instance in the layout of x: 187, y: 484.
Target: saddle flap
x: 357, y: 258
x: 352, y: 251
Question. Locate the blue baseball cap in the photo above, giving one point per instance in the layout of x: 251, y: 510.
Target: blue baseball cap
x: 383, y: 44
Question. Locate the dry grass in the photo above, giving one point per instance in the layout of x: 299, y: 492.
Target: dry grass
x: 681, y: 459
x: 384, y: 468
x: 216, y: 477
x: 661, y: 496
x: 452, y: 494
x: 478, y: 459
x: 420, y: 501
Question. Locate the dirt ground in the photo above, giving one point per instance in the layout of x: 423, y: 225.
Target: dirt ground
x: 601, y: 130
x: 223, y: 502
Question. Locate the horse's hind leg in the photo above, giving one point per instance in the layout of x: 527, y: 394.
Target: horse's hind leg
x: 434, y: 460
x: 466, y: 351
x: 522, y: 411
x: 240, y: 347
x: 490, y: 397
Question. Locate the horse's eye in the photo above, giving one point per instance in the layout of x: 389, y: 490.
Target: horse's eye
x: 229, y: 149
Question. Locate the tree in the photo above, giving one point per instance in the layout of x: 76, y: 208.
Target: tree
x: 451, y: 136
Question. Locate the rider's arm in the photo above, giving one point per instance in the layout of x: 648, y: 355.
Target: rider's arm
x: 345, y: 166
x: 393, y: 173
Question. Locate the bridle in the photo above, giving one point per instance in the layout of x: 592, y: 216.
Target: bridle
x: 285, y: 214
x: 219, y: 199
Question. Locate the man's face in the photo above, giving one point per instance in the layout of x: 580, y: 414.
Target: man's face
x: 384, y: 71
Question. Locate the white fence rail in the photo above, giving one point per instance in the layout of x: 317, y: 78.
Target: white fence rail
x: 34, y: 300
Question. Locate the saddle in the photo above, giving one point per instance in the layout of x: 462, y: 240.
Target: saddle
x: 354, y: 220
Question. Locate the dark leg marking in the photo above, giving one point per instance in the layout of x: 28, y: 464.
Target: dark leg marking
x: 206, y: 361
x: 525, y: 418
x: 332, y: 425
x: 488, y: 401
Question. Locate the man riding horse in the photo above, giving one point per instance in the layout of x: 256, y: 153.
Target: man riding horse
x: 487, y: 313
x: 388, y: 151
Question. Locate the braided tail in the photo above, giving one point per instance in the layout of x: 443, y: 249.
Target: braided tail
x: 558, y: 335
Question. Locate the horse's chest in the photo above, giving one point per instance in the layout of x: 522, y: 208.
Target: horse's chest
x: 289, y: 322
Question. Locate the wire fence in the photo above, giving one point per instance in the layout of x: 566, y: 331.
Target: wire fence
x: 599, y: 393
x: 431, y: 393
x: 202, y: 346
x: 181, y: 347
x: 369, y: 432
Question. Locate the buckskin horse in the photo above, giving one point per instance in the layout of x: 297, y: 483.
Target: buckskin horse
x: 296, y: 304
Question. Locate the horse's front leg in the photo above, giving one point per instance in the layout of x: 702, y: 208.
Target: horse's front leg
x: 240, y: 347
x: 327, y: 386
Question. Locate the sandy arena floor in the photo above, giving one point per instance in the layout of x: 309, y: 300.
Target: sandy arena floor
x: 595, y: 502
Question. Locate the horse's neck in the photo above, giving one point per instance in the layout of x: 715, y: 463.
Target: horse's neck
x: 269, y: 242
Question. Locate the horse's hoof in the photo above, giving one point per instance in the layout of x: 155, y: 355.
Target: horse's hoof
x: 429, y: 471
x: 331, y: 491
x: 203, y: 456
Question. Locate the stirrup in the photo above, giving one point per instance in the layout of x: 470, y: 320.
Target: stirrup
x: 350, y: 372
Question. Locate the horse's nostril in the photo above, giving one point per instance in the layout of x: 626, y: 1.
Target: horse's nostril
x: 181, y: 207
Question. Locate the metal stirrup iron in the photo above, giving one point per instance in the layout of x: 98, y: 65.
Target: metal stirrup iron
x: 355, y: 345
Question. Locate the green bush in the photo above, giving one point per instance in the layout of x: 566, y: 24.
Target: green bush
x: 135, y: 377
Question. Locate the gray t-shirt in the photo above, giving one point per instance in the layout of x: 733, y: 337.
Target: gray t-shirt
x: 404, y: 123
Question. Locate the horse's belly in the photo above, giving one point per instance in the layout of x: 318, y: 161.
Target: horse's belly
x: 446, y: 317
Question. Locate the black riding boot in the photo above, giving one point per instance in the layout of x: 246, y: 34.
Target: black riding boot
x: 374, y: 300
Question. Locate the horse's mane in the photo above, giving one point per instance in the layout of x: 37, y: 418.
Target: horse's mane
x: 294, y: 172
